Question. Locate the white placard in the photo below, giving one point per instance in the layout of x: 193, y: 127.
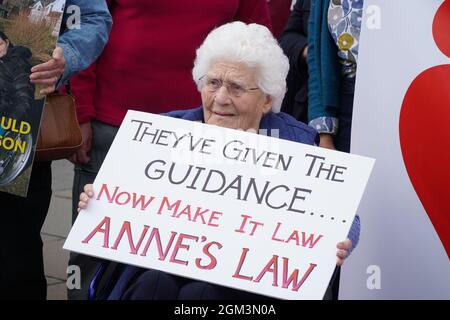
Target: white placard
x: 233, y: 208
x: 401, y: 254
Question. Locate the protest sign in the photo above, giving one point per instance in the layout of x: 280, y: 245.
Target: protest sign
x: 239, y: 209
x: 28, y: 37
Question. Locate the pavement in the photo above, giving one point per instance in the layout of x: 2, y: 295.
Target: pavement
x: 56, y: 228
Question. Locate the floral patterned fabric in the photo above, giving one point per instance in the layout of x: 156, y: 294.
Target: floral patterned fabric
x: 344, y: 22
x: 325, y: 125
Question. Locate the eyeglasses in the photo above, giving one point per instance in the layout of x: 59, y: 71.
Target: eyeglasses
x: 234, y: 89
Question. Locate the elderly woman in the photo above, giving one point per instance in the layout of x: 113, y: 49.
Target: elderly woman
x: 240, y: 72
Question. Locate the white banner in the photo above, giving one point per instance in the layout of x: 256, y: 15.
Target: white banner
x: 233, y: 208
x: 401, y: 115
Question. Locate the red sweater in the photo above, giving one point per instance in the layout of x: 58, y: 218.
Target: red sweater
x: 279, y: 13
x: 147, y: 63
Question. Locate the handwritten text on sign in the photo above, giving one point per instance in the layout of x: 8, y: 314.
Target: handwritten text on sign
x: 238, y: 209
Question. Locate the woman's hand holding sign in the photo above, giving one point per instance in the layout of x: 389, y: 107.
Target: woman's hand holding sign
x: 343, y: 251
x: 85, y: 196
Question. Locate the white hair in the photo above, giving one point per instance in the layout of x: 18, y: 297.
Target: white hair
x: 251, y: 44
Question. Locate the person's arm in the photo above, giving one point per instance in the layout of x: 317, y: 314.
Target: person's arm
x: 320, y: 117
x: 346, y: 247
x: 83, y: 85
x: 78, y: 46
x: 315, y: 101
x: 254, y: 11
x: 354, y: 232
x: 83, y: 46
x: 294, y: 39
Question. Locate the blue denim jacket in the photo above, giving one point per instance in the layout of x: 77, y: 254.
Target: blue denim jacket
x: 83, y: 44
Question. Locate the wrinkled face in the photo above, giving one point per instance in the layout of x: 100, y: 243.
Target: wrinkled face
x: 231, y: 98
x: 3, y: 47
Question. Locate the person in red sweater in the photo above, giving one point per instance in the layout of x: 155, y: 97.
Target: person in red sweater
x: 279, y: 14
x: 146, y: 66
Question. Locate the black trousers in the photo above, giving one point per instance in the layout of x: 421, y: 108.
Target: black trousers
x: 21, y: 258
x: 347, y: 94
x: 159, y: 285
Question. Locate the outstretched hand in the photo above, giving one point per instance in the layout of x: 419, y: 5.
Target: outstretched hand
x: 50, y: 72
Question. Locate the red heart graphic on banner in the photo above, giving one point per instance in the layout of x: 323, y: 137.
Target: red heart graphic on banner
x: 425, y: 136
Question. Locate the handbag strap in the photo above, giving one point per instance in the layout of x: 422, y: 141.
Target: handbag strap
x: 67, y: 87
x: 68, y: 90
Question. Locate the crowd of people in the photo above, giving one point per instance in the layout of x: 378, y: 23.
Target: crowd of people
x: 162, y: 56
